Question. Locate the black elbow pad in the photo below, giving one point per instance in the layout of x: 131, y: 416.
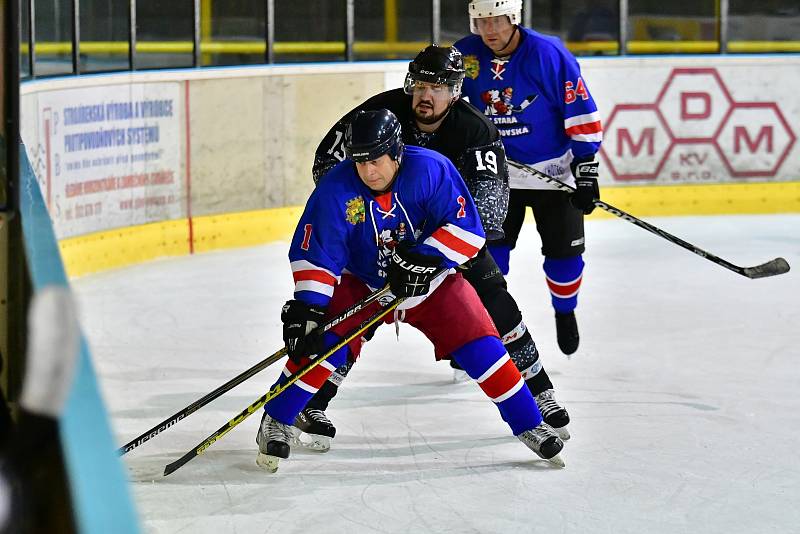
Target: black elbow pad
x: 486, y: 176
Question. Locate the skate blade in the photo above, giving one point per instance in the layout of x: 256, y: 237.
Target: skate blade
x: 267, y: 462
x: 562, y: 432
x: 557, y: 461
x: 312, y: 442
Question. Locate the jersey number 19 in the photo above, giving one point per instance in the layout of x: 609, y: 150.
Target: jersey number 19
x: 491, y: 161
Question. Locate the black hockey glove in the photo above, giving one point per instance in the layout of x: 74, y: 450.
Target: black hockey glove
x: 585, y: 170
x: 299, y: 321
x: 410, y: 273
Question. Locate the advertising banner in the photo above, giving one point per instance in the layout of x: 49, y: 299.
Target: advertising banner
x: 109, y: 157
x: 686, y: 121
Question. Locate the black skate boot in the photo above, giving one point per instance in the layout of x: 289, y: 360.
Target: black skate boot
x: 567, y: 332
x: 553, y: 413
x: 544, y: 442
x: 273, y: 442
x: 313, y: 430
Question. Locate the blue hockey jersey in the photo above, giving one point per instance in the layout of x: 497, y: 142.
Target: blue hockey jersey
x: 538, y: 100
x: 347, y: 228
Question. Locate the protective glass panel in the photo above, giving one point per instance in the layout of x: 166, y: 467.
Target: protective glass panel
x: 53, y: 34
x: 24, y: 32
x: 588, y: 27
x: 391, y: 29
x: 233, y: 32
x: 764, y: 26
x: 455, y: 21
x: 164, y: 33
x: 311, y: 30
x: 658, y: 27
x: 104, y: 29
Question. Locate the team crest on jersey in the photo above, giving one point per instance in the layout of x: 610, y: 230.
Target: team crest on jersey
x: 472, y: 66
x: 354, y: 211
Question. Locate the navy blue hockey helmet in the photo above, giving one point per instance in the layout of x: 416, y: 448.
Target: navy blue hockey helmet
x: 372, y: 134
x: 437, y: 64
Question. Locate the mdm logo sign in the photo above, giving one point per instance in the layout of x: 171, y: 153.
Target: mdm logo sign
x: 699, y: 129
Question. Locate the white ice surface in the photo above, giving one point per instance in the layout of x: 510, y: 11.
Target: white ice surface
x: 684, y: 396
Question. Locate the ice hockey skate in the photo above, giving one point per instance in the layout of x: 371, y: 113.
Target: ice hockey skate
x: 460, y: 376
x: 567, y: 332
x: 553, y: 413
x: 273, y: 442
x: 544, y: 442
x: 313, y: 430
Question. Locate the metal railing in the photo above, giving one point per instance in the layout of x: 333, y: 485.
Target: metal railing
x: 122, y: 48
x: 202, y: 45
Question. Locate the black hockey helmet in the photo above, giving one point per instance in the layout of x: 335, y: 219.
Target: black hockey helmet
x: 439, y: 65
x: 371, y: 134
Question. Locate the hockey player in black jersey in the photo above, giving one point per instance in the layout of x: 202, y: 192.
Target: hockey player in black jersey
x: 433, y: 116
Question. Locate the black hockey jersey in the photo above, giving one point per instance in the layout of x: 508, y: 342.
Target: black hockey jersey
x: 466, y: 137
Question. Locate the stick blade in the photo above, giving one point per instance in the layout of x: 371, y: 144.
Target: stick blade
x: 771, y: 268
x: 180, y: 462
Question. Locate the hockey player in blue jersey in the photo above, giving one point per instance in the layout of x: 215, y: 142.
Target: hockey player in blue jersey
x: 531, y: 87
x: 388, y: 214
x: 433, y: 115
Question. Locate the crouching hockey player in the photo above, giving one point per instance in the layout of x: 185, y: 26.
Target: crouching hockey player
x: 433, y: 116
x: 346, y: 245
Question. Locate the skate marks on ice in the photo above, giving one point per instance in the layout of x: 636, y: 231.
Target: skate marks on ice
x: 398, y: 458
x: 682, y: 397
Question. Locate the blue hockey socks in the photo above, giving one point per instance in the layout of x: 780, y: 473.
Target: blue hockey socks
x: 501, y: 254
x: 291, y: 401
x: 564, y: 281
x: 487, y: 362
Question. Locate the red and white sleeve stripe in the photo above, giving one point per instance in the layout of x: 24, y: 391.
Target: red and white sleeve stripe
x: 586, y: 128
x: 309, y: 277
x: 455, y: 243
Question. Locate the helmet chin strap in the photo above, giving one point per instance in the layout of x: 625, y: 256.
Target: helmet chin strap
x: 516, y: 28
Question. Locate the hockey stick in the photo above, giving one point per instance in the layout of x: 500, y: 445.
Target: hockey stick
x: 277, y: 390
x: 232, y: 383
x: 770, y: 268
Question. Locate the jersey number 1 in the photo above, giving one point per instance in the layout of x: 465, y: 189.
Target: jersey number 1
x: 306, y: 237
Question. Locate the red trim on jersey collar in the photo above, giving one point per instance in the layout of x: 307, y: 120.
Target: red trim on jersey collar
x: 384, y: 200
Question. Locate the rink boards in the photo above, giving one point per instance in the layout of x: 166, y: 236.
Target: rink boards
x: 139, y: 165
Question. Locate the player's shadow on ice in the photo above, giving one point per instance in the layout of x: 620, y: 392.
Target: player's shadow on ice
x: 161, y: 407
x: 354, y: 453
x: 309, y: 469
x: 164, y: 405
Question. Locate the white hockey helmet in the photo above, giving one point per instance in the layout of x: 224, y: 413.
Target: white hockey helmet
x: 481, y: 9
